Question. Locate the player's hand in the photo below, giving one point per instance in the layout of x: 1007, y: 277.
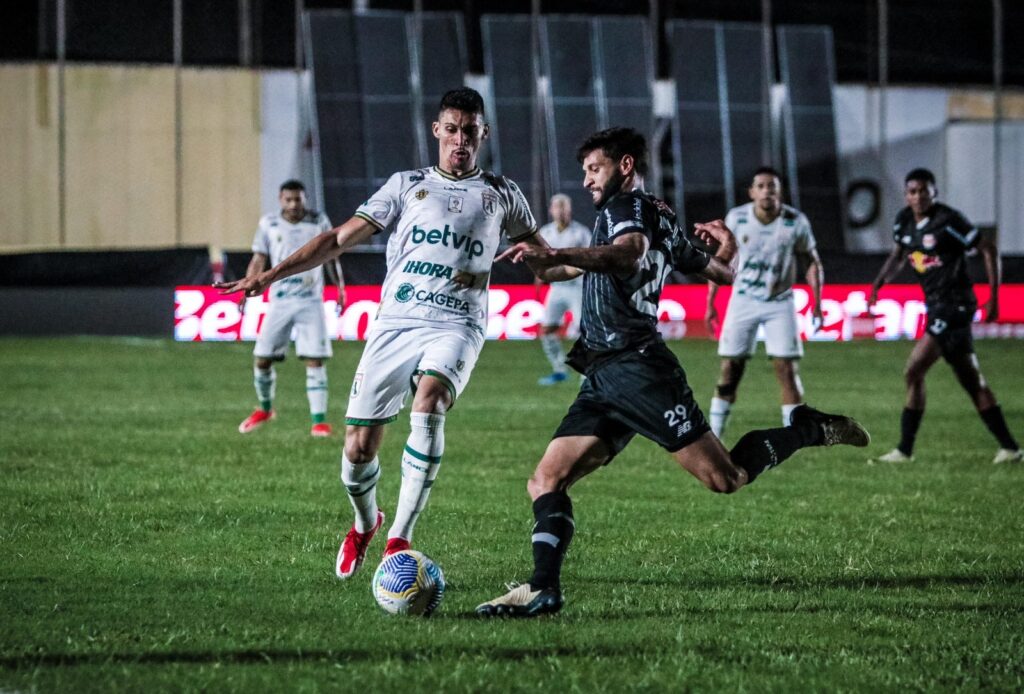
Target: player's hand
x: 711, y: 320
x: 538, y: 255
x: 663, y: 207
x: 249, y: 286
x: 817, y: 318
x: 991, y: 310
x: 241, y: 303
x: 713, y: 233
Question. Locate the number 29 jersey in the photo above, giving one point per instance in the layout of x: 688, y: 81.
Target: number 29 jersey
x: 444, y: 235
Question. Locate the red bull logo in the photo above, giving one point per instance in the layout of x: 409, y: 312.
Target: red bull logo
x: 922, y: 262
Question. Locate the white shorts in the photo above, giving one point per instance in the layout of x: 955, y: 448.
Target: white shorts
x: 393, y: 357
x: 744, y: 316
x: 307, y: 317
x: 562, y: 297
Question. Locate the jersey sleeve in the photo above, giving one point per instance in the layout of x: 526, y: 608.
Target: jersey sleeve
x: 261, y: 241
x: 384, y: 206
x: 625, y: 213
x: 519, y: 221
x: 730, y: 219
x: 686, y: 257
x: 962, y: 230
x: 324, y: 223
x: 805, y: 242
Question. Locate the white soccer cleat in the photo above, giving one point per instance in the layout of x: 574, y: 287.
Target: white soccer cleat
x: 522, y: 601
x: 893, y: 456
x: 1005, y: 455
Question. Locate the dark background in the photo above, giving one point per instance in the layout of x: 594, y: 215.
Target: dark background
x: 930, y: 41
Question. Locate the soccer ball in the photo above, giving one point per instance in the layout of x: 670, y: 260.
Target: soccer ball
x: 408, y: 582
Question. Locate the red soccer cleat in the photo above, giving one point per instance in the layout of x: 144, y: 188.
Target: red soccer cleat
x: 395, y: 545
x: 256, y: 420
x: 320, y: 430
x: 353, y: 549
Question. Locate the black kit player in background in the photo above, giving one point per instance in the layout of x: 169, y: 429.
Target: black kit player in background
x: 935, y: 239
x: 634, y: 384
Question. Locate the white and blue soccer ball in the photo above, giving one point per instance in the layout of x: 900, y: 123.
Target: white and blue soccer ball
x: 408, y: 582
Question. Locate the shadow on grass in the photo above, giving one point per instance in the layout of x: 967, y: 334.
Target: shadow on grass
x: 797, y: 584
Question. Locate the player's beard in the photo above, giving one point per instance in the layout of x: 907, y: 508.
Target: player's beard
x: 613, y: 186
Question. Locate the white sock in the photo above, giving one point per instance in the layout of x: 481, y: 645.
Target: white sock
x: 361, y: 484
x: 719, y: 415
x: 420, y: 462
x: 552, y: 347
x: 316, y: 391
x: 265, y: 383
x: 787, y: 412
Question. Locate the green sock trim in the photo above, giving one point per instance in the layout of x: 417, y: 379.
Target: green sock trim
x: 432, y: 459
x: 318, y: 418
x: 266, y: 405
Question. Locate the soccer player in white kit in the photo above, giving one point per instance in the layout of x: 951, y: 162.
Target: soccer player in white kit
x: 295, y: 302
x: 771, y: 237
x: 446, y: 222
x: 562, y: 232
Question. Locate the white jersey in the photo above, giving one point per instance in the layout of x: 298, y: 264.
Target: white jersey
x: 445, y: 232
x: 767, y: 253
x: 575, y: 235
x: 277, y: 238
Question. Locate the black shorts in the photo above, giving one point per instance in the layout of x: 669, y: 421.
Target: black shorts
x: 951, y: 328
x: 636, y: 393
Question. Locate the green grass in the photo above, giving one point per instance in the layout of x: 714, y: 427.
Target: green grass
x: 148, y: 546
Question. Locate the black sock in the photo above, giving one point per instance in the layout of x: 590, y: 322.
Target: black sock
x: 761, y: 450
x: 552, y: 534
x: 993, y: 418
x: 910, y: 421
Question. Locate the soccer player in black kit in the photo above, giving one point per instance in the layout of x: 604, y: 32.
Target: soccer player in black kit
x: 634, y: 383
x: 935, y: 239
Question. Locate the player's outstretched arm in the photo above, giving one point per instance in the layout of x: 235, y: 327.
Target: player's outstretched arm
x: 318, y: 251
x: 537, y: 254
x: 889, y: 268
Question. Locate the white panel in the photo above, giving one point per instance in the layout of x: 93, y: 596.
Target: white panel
x: 1011, y: 232
x: 970, y: 184
x: 285, y: 144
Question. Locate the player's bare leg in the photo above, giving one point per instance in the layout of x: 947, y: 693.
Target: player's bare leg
x: 421, y: 459
x: 709, y: 461
x: 566, y: 460
x: 360, y: 471
x: 968, y: 373
x: 787, y: 373
x: 730, y: 374
x: 316, y: 393
x: 924, y: 355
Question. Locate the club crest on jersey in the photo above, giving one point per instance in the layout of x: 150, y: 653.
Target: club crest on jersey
x: 490, y: 203
x: 922, y: 262
x: 454, y: 203
x: 421, y: 193
x: 928, y: 241
x: 404, y: 293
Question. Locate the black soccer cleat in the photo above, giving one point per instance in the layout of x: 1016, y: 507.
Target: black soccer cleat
x: 835, y: 428
x: 522, y: 601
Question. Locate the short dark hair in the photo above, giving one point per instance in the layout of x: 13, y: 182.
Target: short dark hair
x: 616, y: 143
x: 463, y: 99
x: 292, y: 184
x: 920, y: 174
x: 766, y: 170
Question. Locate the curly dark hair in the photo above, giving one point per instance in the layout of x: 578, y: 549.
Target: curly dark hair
x: 616, y: 143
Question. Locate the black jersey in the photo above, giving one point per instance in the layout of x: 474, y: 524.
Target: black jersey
x: 937, y: 250
x: 621, y: 311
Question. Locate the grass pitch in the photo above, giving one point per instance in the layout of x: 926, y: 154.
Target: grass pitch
x: 149, y: 546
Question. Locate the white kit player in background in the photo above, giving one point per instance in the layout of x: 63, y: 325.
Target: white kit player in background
x: 561, y: 232
x: 445, y: 223
x: 771, y: 237
x: 295, y: 303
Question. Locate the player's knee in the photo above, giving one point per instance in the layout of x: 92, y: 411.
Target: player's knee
x: 541, y: 483
x: 264, y: 364
x: 913, y: 375
x: 723, y: 482
x: 359, y: 450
